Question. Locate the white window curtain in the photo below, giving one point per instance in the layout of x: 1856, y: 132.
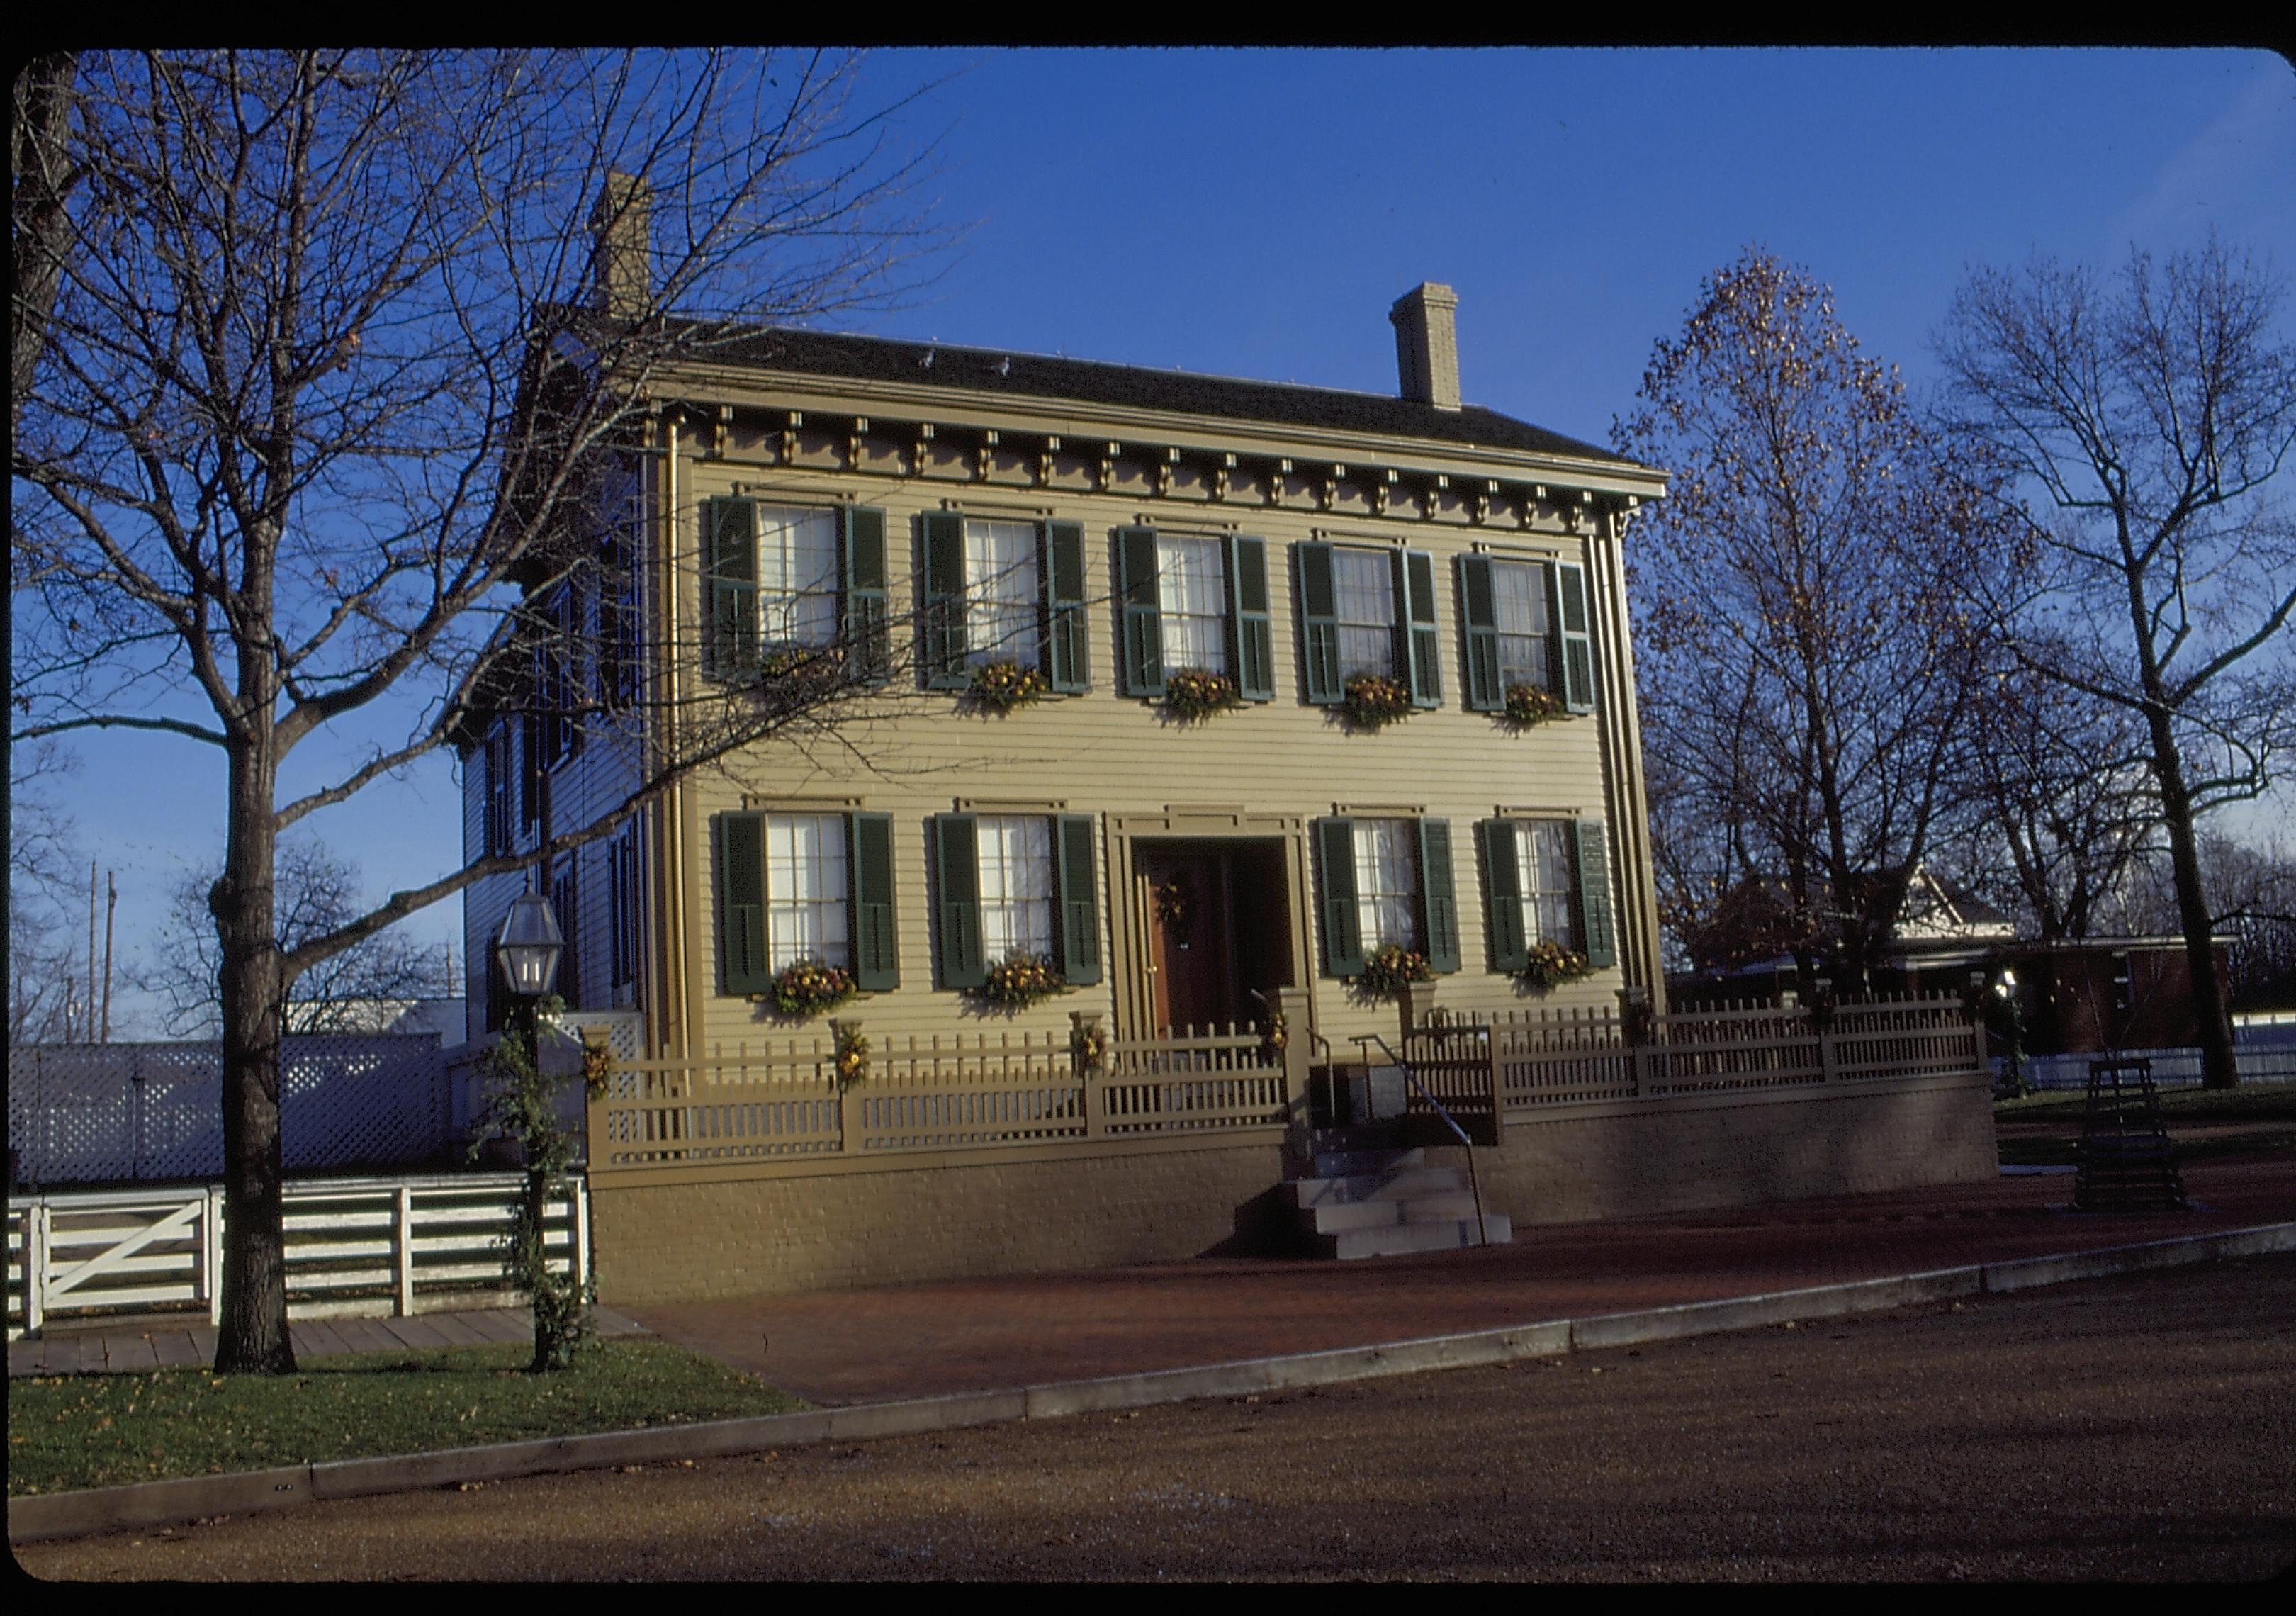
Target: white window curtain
x: 1518, y: 594
x: 1387, y: 883
x: 1000, y: 592
x: 806, y: 889
x: 797, y: 576
x: 1363, y: 584
x: 1015, y: 854
x: 1550, y: 913
x: 1192, y: 584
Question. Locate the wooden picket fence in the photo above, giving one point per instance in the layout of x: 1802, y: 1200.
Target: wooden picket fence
x: 782, y: 1099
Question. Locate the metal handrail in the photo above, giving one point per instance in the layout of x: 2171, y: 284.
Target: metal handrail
x: 1474, y: 1182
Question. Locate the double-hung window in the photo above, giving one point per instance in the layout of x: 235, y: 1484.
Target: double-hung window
x: 1546, y: 880
x: 802, y: 886
x: 1366, y: 613
x: 1011, y: 884
x: 626, y: 913
x: 1385, y: 882
x: 781, y: 579
x: 1526, y: 624
x: 1003, y: 591
x: 1194, y: 602
x: 501, y: 786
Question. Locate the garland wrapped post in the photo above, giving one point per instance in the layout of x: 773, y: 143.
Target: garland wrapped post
x: 1528, y: 705
x: 1552, y: 962
x: 1088, y: 1040
x: 1374, y: 701
x: 1194, y: 694
x: 1020, y: 981
x: 522, y: 1106
x: 1387, y: 970
x: 851, y: 1057
x: 807, y: 986
x: 1002, y: 686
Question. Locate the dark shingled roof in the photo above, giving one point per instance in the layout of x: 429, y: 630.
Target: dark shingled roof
x: 1036, y: 376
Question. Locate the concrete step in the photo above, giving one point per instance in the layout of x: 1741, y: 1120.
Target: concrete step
x: 1330, y: 1219
x: 1400, y: 1185
x: 1449, y: 1234
x: 1347, y: 1164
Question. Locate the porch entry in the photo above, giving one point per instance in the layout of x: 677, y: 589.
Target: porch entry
x: 1217, y: 913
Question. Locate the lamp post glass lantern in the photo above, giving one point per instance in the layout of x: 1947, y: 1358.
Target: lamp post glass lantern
x: 528, y: 945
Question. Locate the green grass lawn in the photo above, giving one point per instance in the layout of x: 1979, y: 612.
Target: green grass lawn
x: 2273, y: 1102
x: 76, y: 1431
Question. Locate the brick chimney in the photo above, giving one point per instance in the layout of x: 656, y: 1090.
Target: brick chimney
x: 621, y: 273
x: 1427, y: 344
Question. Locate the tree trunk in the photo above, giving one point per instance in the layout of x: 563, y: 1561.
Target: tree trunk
x: 2218, y: 1068
x: 253, y: 1337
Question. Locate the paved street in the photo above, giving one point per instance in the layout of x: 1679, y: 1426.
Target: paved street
x: 2124, y: 1429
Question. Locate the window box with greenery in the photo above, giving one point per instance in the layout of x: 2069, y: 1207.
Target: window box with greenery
x: 1385, y: 885
x: 799, y: 888
x: 1546, y: 899
x: 1193, y: 694
x: 806, y: 987
x: 1373, y: 703
x: 1193, y: 607
x: 1367, y: 613
x: 1387, y: 970
x: 1019, y: 981
x: 1015, y: 886
x: 1527, y: 706
x: 1002, y: 592
x: 1001, y: 686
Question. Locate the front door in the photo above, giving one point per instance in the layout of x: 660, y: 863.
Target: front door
x: 1188, y: 898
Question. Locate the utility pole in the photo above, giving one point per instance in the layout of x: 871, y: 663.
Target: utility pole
x: 91, y: 950
x: 111, y: 903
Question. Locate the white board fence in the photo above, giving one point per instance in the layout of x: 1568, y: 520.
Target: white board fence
x: 355, y: 1246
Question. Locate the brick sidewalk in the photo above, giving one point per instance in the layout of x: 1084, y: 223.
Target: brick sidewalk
x: 962, y: 1335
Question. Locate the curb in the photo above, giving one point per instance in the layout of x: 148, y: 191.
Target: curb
x: 157, y: 1503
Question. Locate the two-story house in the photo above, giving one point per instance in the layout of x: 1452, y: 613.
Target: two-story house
x: 1186, y: 703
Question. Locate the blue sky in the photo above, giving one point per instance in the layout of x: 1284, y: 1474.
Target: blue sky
x: 1255, y: 213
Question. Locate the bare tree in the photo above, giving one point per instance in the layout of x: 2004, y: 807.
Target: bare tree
x: 2063, y: 806
x: 1804, y: 678
x: 317, y: 893
x: 2147, y: 425
x: 332, y: 362
x: 43, y: 871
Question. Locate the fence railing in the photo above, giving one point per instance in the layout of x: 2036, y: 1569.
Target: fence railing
x: 377, y: 1245
x: 784, y: 1099
x: 1522, y: 1061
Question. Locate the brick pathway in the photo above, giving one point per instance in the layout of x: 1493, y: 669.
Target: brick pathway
x: 984, y: 1334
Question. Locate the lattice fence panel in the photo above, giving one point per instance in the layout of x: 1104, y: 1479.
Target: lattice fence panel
x: 114, y: 1113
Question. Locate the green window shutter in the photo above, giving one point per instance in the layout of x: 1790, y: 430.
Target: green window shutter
x: 729, y: 588
x: 869, y: 873
x: 1252, y: 642
x: 1478, y: 608
x: 1319, y: 626
x: 1439, y: 900
x: 1415, y: 627
x: 742, y: 904
x: 1142, y: 673
x: 867, y: 636
x: 1335, y: 891
x: 1594, y: 931
x: 1503, y: 896
x: 957, y: 860
x: 1075, y: 897
x: 1569, y: 641
x: 1061, y: 571
x: 944, y: 624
